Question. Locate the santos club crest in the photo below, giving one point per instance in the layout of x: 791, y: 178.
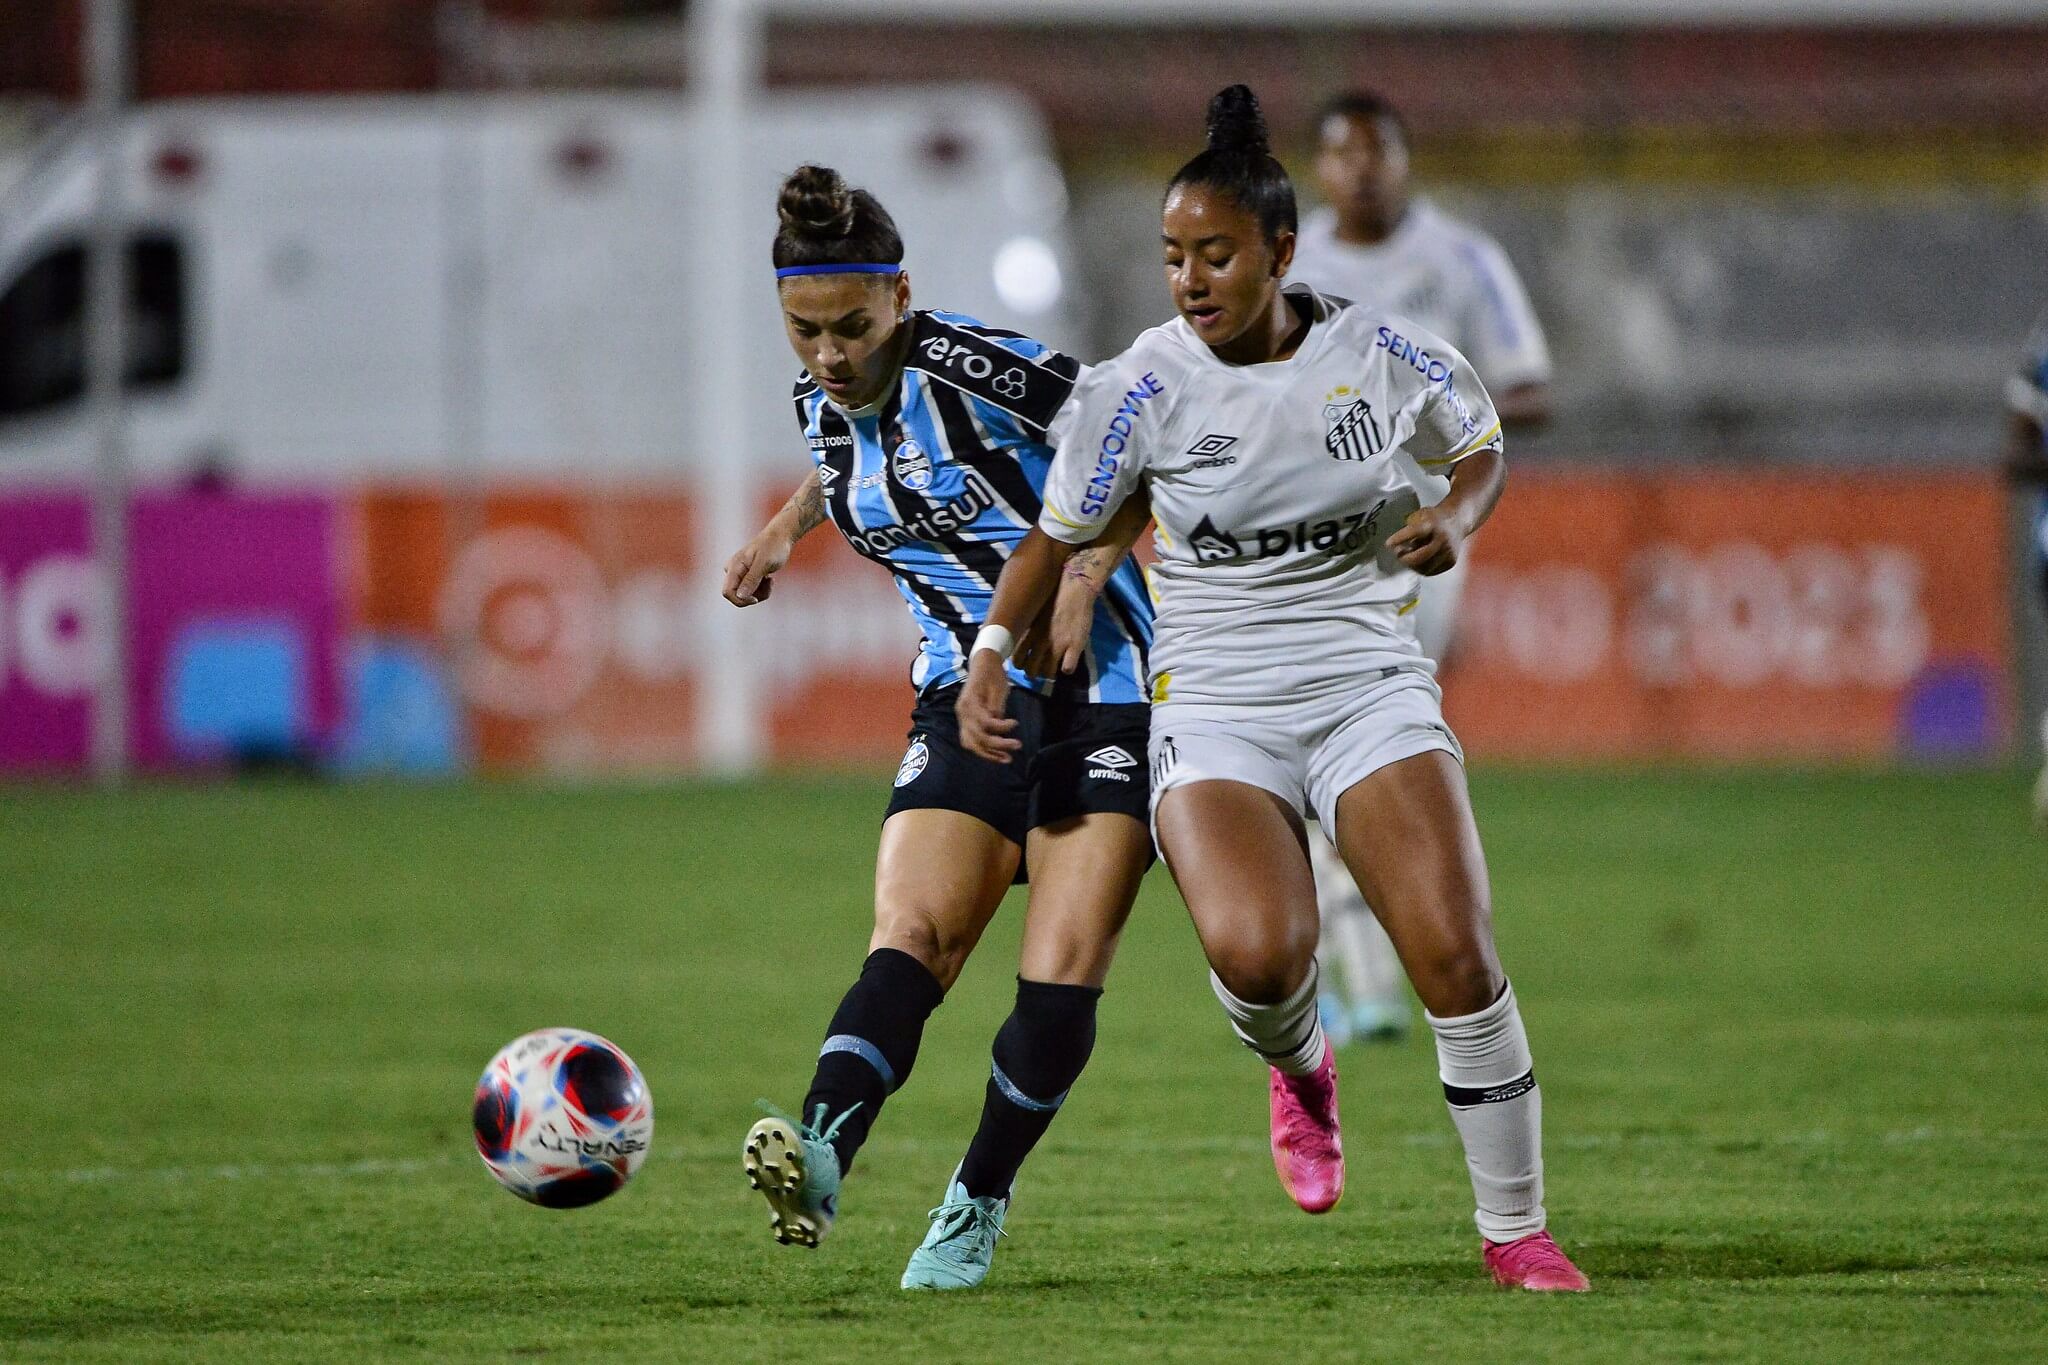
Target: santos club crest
x: 1353, y: 433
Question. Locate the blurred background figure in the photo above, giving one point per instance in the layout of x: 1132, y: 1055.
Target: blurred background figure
x: 2027, y: 465
x: 1377, y: 242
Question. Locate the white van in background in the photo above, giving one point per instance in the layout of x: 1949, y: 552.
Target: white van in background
x: 478, y: 286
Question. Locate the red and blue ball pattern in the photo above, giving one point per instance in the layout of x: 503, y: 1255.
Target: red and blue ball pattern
x: 562, y: 1117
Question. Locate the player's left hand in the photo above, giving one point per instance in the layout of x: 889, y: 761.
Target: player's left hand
x: 1428, y: 542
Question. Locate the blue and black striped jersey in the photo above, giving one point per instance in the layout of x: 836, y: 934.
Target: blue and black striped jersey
x: 940, y: 479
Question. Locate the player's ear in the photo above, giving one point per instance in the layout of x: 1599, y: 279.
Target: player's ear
x: 903, y: 294
x: 1283, y: 254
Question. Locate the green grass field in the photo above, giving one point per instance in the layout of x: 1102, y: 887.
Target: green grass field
x: 1792, y: 1030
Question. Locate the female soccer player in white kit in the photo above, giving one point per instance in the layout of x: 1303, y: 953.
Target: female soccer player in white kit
x: 1378, y: 243
x: 1307, y: 463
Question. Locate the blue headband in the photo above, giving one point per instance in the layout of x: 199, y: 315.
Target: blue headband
x: 786, y: 271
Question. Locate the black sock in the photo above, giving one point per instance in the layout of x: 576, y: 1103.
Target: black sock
x: 1039, y: 1053
x: 871, y: 1045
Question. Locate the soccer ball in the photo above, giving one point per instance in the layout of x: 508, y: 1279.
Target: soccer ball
x: 562, y: 1117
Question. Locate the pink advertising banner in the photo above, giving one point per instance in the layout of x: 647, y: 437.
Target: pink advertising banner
x: 50, y: 605
x: 235, y: 628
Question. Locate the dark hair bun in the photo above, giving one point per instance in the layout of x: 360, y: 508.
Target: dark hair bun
x: 816, y: 202
x: 1236, y: 127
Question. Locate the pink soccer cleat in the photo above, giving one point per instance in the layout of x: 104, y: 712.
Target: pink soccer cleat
x: 1534, y: 1262
x: 1308, y: 1149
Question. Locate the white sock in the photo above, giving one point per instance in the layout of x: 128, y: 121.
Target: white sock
x: 1490, y: 1086
x: 1289, y: 1035
x: 1355, y: 949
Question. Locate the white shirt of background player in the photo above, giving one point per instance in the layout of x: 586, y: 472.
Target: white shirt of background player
x: 1378, y: 244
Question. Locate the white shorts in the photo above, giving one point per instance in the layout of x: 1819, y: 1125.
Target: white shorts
x: 1307, y: 753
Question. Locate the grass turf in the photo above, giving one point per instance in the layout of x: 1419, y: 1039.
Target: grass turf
x: 1792, y: 1030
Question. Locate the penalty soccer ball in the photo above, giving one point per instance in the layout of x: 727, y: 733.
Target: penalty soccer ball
x: 562, y: 1118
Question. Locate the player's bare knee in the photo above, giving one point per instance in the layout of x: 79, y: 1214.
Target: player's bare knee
x: 1263, y: 969
x: 1458, y: 980
x: 1068, y: 959
x: 925, y: 936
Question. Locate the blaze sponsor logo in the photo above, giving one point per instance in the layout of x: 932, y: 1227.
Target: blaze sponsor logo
x: 955, y: 514
x: 1117, y: 439
x: 1211, y: 545
x: 1110, y: 763
x: 1337, y: 535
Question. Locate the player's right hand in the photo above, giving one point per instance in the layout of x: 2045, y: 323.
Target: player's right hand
x: 985, y: 729
x: 1073, y: 620
x: 750, y: 574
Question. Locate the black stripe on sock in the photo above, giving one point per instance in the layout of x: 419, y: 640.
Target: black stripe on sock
x: 1466, y: 1097
x: 1307, y: 1030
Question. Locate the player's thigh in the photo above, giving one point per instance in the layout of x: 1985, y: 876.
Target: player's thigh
x: 939, y: 876
x: 1407, y: 834
x: 1239, y: 854
x: 1085, y: 873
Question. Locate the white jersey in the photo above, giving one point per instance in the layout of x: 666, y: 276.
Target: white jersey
x: 1445, y: 274
x: 1274, y: 488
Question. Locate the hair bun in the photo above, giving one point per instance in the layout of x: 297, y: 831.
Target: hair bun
x: 1235, y: 124
x: 816, y: 202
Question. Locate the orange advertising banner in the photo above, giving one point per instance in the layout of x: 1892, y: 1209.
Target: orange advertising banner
x: 1776, y: 617
x: 567, y: 627
x: 1736, y: 616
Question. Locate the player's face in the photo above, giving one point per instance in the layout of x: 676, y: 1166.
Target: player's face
x: 1362, y: 166
x: 1221, y: 268
x: 844, y: 329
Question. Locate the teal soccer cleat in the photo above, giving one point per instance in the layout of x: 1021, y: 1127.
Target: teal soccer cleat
x: 957, y: 1251
x: 795, y: 1168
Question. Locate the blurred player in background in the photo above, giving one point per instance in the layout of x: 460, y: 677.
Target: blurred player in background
x: 2027, y: 465
x: 927, y: 434
x: 1376, y: 242
x: 1309, y: 463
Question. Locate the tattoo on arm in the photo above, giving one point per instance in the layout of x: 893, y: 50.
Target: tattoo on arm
x: 807, y: 504
x: 1094, y: 566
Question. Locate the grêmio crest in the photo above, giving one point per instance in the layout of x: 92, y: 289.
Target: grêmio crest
x: 1351, y: 432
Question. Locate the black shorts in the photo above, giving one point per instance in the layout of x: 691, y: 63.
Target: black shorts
x: 1079, y: 757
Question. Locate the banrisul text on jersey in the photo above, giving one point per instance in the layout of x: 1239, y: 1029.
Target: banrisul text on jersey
x: 943, y: 475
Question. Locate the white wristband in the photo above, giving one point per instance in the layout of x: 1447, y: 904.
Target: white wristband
x: 996, y: 638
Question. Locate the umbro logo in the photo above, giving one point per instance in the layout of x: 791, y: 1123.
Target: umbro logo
x: 1110, y: 763
x: 826, y: 474
x: 1208, y: 452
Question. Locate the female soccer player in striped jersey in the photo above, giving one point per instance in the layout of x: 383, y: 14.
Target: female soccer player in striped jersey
x: 928, y: 446
x: 1308, y: 462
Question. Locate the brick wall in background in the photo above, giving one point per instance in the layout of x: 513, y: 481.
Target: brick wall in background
x: 1143, y: 83
x: 208, y: 47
